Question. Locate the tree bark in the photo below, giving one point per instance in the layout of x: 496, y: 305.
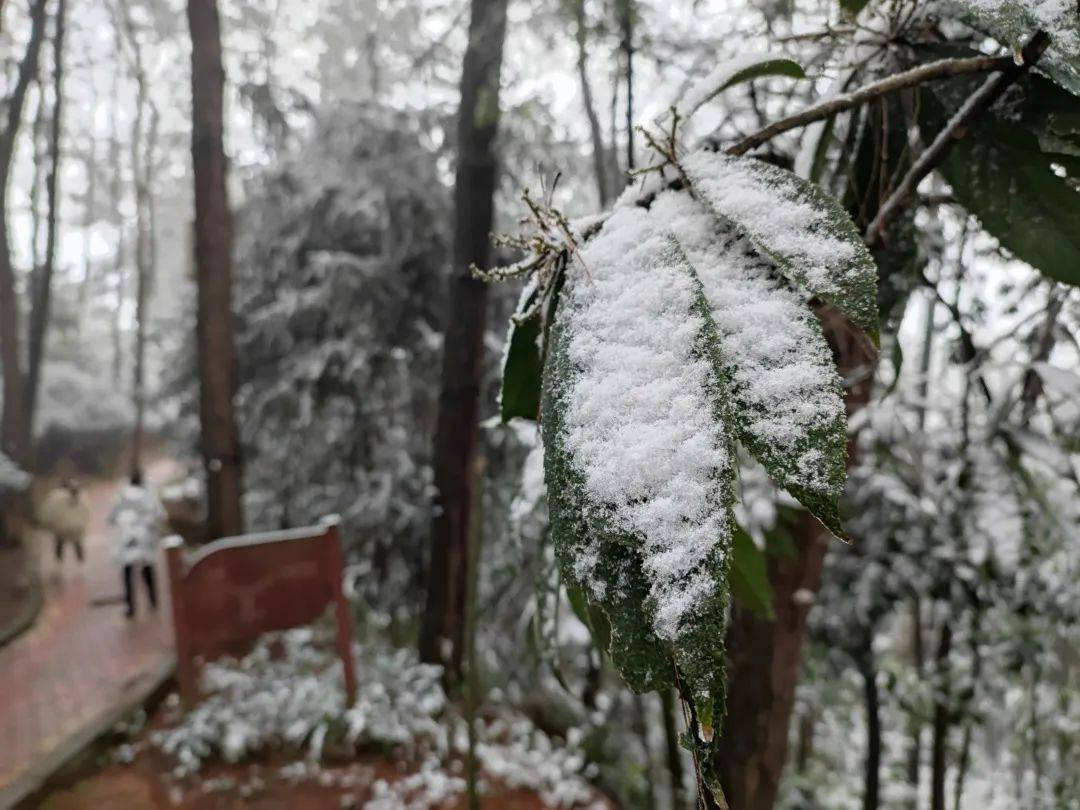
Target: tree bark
x: 765, y: 656
x: 89, y: 215
x: 941, y: 721
x: 213, y: 260
x: 872, y: 704
x: 42, y: 301
x: 600, y: 162
x: 626, y: 25
x: 142, y: 153
x: 15, y: 424
x: 457, y: 428
x: 672, y: 750
x: 115, y: 166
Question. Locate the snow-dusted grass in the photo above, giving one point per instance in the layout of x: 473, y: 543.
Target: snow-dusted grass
x: 296, y: 703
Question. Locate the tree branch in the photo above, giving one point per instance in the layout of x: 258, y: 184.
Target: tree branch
x: 979, y: 102
x: 932, y: 71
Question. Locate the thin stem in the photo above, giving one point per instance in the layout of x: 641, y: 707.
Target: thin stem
x: 941, y: 69
x: 979, y: 102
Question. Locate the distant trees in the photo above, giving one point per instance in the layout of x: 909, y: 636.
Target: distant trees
x: 213, y: 259
x: 457, y: 428
x: 15, y: 423
x: 42, y: 277
x: 144, y: 134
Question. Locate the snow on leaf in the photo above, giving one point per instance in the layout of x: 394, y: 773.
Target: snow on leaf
x: 642, y: 422
x: 609, y: 572
x: 788, y: 406
x: 795, y: 223
x: 1013, y: 22
x: 734, y: 71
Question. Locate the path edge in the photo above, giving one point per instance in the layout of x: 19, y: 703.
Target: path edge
x: 28, y: 613
x: 68, y: 761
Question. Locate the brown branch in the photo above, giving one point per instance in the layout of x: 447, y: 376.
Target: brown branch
x: 979, y: 102
x: 932, y: 71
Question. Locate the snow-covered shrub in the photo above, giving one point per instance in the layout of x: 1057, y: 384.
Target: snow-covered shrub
x: 340, y: 274
x: 297, y: 702
x: 12, y: 477
x: 82, y: 418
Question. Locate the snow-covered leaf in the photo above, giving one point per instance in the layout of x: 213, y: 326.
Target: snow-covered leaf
x: 639, y: 457
x: 803, y: 229
x: 732, y: 72
x: 788, y: 407
x: 1013, y: 22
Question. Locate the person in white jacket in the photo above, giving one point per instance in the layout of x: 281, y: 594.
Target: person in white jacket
x: 137, y: 518
x: 65, y: 513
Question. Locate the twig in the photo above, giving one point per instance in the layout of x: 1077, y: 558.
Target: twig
x: 941, y: 69
x: 979, y: 102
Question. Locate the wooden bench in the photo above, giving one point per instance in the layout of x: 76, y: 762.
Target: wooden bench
x: 227, y: 593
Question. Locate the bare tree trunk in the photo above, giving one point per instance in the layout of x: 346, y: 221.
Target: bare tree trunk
x: 39, y: 153
x: 213, y: 259
x: 457, y: 426
x: 15, y: 423
x: 672, y: 750
x: 914, y: 758
x: 600, y: 162
x: 648, y: 772
x: 42, y: 303
x: 615, y: 172
x: 941, y: 721
x: 141, y: 159
x: 627, y: 14
x: 872, y: 704
x: 805, y: 745
x: 964, y: 760
x: 115, y: 199
x: 89, y: 214
x: 765, y: 656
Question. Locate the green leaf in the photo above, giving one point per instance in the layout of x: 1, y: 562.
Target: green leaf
x: 520, y: 393
x: 853, y: 7
x: 824, y: 134
x: 1013, y: 22
x: 735, y: 71
x: 592, y: 617
x: 1023, y: 195
x: 803, y: 229
x: 749, y: 575
x: 787, y: 399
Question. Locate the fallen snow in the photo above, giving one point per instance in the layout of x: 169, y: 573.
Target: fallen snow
x: 297, y: 702
x: 756, y: 196
x: 640, y: 414
x: 783, y: 379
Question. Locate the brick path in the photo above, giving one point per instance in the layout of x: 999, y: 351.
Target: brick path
x: 80, y: 660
